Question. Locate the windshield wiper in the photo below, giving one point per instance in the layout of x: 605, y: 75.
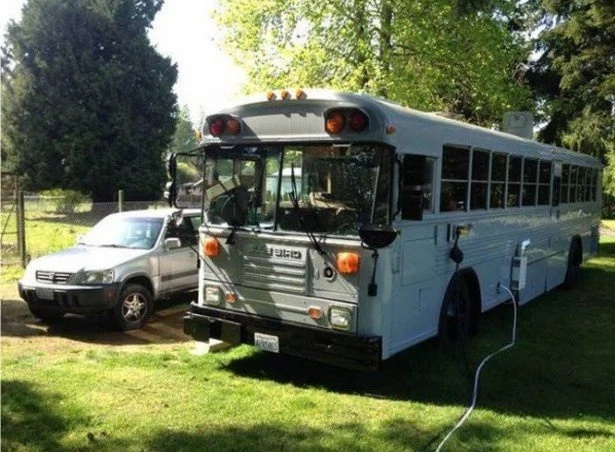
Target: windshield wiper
x: 294, y: 199
x: 110, y: 245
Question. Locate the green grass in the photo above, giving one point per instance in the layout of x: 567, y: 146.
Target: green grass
x: 610, y: 224
x: 553, y: 391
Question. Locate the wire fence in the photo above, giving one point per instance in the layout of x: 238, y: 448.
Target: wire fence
x: 51, y: 223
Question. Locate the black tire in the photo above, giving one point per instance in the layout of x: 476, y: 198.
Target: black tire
x: 133, y: 308
x: 573, y: 270
x: 47, y: 315
x: 459, y: 314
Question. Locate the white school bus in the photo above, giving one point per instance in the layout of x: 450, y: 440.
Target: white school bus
x: 345, y: 228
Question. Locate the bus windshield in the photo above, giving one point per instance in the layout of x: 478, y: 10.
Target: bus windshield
x: 320, y: 188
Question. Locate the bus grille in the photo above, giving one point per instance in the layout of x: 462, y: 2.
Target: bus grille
x: 274, y: 274
x: 53, y: 277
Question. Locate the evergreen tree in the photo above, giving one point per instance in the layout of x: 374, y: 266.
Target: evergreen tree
x: 575, y: 74
x: 88, y: 102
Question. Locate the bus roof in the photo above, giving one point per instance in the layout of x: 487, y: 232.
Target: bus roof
x: 414, y: 131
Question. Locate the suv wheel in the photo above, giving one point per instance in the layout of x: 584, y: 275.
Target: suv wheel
x: 133, y: 309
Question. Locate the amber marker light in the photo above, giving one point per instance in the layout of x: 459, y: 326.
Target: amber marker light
x: 334, y: 122
x: 271, y: 95
x: 232, y: 126
x: 315, y: 312
x: 300, y: 94
x: 284, y: 94
x: 230, y: 297
x: 390, y: 129
x: 348, y: 263
x: 211, y: 247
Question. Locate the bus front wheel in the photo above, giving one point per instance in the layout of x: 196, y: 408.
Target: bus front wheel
x: 459, y: 313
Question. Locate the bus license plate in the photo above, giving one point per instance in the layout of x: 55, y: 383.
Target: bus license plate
x: 267, y: 342
x: 42, y: 293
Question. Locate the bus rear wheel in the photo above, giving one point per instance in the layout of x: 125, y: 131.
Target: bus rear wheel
x: 573, y: 271
x: 459, y: 313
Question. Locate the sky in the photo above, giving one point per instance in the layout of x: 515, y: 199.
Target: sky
x: 184, y: 31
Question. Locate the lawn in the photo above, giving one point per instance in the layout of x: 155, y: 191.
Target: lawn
x: 553, y: 391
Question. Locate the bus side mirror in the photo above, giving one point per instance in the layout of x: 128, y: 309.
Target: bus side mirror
x: 171, y: 166
x: 412, y: 179
x: 377, y: 235
x: 170, y: 193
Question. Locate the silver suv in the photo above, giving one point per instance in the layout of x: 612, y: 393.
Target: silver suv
x: 120, y: 266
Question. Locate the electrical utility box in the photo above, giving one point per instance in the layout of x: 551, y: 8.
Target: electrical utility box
x: 519, y: 272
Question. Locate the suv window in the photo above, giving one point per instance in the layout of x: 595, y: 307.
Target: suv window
x: 185, y: 232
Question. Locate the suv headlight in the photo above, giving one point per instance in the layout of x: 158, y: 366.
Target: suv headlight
x: 95, y: 277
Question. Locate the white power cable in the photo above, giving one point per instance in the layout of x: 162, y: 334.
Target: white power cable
x: 477, y: 375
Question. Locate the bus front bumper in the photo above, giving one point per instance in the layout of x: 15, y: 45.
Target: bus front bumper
x: 331, y: 347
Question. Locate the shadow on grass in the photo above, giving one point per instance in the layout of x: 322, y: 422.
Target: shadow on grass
x: 562, y: 365
x: 30, y: 419
x: 607, y: 248
x: 397, y: 434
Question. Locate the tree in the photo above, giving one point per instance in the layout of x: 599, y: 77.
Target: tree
x: 184, y: 138
x: 88, y: 102
x: 575, y: 74
x: 188, y: 168
x: 427, y: 55
x: 574, y: 79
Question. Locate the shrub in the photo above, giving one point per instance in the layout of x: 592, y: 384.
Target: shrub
x: 64, y: 201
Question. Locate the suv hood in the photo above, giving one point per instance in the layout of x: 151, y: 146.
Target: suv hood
x: 82, y: 257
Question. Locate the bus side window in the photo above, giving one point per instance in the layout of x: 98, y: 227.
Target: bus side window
x: 454, y: 181
x: 412, y: 177
x: 557, y: 184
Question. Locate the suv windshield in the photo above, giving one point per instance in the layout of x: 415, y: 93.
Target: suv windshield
x: 319, y: 188
x: 123, y: 232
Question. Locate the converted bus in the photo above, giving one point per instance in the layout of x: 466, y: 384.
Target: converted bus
x: 345, y: 228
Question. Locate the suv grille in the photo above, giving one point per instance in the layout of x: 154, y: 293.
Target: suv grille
x: 53, y: 277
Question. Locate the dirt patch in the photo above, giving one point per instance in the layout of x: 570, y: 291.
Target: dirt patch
x: 20, y: 331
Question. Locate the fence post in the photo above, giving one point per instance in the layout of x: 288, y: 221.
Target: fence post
x: 120, y: 200
x: 21, y: 229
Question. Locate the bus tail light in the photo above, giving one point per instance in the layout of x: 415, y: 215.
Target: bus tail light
x: 223, y: 124
x: 348, y: 263
x: 334, y: 122
x: 232, y: 126
x: 358, y: 121
x: 216, y: 127
x: 338, y: 119
x: 211, y: 247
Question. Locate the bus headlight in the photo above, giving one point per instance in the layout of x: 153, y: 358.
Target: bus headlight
x: 340, y: 318
x: 212, y: 295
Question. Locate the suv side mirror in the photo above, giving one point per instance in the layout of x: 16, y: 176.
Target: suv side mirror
x: 172, y: 243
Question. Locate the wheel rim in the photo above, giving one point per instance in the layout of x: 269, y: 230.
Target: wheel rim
x: 134, y: 307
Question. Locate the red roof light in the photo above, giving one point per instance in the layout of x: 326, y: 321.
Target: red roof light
x: 216, y: 127
x: 358, y: 121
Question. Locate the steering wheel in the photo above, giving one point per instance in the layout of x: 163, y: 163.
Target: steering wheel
x: 234, y: 208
